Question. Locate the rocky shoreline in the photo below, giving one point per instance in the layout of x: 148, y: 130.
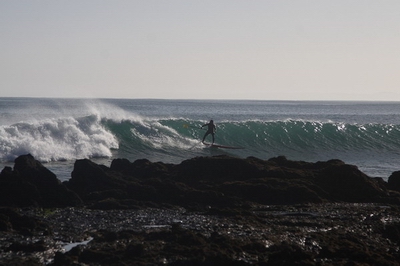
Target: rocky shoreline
x: 205, y: 211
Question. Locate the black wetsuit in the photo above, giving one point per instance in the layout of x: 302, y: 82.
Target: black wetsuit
x: 210, y: 130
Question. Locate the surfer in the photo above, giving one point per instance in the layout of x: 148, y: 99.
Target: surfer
x: 210, y: 130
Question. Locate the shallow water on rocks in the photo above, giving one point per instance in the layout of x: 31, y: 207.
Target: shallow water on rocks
x: 305, y: 226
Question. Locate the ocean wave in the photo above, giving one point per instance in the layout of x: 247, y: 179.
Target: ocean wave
x: 160, y: 138
x: 57, y: 139
x: 299, y: 134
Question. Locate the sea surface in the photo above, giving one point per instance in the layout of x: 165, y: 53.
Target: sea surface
x: 57, y: 132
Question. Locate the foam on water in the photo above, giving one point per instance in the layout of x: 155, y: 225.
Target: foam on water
x: 57, y: 139
x: 63, y: 130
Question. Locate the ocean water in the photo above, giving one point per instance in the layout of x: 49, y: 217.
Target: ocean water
x: 59, y: 131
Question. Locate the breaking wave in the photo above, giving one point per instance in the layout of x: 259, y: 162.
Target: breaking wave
x: 174, y: 139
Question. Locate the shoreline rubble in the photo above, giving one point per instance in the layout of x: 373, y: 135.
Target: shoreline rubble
x: 204, y: 211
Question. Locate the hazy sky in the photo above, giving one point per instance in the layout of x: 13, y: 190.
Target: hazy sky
x: 200, y: 49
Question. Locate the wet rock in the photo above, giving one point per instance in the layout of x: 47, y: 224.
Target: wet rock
x: 289, y: 254
x: 347, y: 183
x: 216, y: 169
x: 394, y: 181
x: 141, y: 168
x: 205, y: 211
x: 28, y: 247
x: 12, y: 220
x: 171, y: 247
x: 221, y: 181
x: 311, y: 234
x: 30, y: 183
x: 17, y: 191
x: 34, y: 172
x: 120, y: 165
x: 88, y: 177
x: 392, y: 232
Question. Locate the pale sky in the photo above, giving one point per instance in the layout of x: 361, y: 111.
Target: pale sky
x: 200, y: 49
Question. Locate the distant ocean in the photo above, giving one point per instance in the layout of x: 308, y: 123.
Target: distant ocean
x: 59, y: 131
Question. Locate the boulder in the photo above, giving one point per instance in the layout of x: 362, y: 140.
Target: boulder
x: 89, y: 177
x: 394, y: 181
x: 201, y: 182
x: 225, y: 181
x: 30, y: 183
x: 347, y: 183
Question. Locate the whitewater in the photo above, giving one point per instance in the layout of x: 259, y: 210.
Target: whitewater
x: 59, y: 131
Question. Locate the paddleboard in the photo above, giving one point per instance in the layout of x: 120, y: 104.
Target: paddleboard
x: 221, y: 146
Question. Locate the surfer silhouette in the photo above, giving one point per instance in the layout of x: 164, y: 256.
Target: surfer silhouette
x: 210, y: 130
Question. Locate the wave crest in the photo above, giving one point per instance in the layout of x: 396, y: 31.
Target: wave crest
x: 57, y: 139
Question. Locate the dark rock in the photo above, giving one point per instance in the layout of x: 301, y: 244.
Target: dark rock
x: 224, y: 181
x: 346, y: 183
x: 88, y: 177
x: 301, y: 234
x: 145, y: 168
x: 392, y: 232
x: 60, y: 259
x: 33, y: 184
x: 109, y: 204
x: 34, y: 172
x: 17, y: 191
x: 172, y: 247
x: 274, y: 191
x: 5, y: 224
x: 30, y: 247
x: 120, y: 165
x: 216, y: 169
x: 394, y: 181
x: 286, y: 254
x: 10, y: 219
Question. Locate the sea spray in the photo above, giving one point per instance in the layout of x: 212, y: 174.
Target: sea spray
x: 57, y: 139
x: 62, y: 130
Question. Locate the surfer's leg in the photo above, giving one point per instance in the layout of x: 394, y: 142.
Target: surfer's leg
x: 212, y: 134
x: 205, y: 135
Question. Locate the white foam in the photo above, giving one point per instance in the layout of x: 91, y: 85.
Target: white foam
x: 57, y: 139
x: 159, y: 136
